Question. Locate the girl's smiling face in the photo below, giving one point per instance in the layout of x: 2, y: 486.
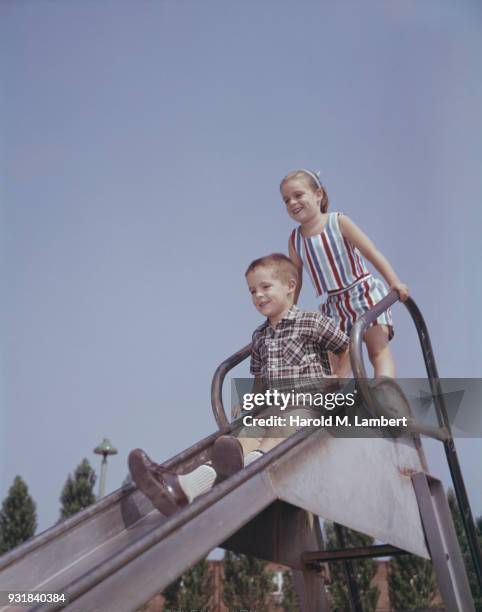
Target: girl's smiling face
x: 302, y: 202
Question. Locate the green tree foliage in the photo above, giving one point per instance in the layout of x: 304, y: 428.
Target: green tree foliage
x: 411, y: 583
x: 192, y: 590
x: 364, y: 572
x: 78, y: 492
x: 18, y: 517
x: 464, y: 547
x: 290, y: 601
x: 247, y: 584
x: 172, y: 595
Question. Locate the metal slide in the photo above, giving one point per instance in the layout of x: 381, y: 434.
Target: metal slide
x: 120, y: 552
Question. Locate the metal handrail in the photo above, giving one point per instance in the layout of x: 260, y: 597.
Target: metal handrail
x: 217, y: 386
x: 444, y: 433
x: 441, y: 433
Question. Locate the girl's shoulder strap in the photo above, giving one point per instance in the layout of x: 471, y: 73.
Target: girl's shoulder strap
x: 294, y: 237
x: 334, y: 219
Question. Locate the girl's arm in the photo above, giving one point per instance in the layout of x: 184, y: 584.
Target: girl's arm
x: 295, y: 258
x: 366, y: 247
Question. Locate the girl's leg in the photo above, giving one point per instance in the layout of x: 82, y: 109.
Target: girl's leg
x: 376, y: 338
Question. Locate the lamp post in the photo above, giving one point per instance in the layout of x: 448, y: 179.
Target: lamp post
x: 104, y: 449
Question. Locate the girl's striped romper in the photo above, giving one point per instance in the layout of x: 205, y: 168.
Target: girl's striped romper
x: 336, y: 267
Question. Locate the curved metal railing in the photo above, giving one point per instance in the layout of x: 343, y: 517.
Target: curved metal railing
x: 217, y: 386
x: 443, y: 433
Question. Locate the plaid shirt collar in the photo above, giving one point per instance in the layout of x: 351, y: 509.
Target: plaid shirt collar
x: 290, y: 316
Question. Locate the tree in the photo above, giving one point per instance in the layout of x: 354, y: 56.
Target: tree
x: 18, y: 517
x: 247, y: 584
x: 290, y: 601
x: 364, y: 572
x: 411, y: 583
x: 172, y: 594
x: 78, y: 492
x: 464, y: 548
x: 192, y: 590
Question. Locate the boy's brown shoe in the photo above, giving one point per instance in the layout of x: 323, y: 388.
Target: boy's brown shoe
x: 227, y: 457
x: 158, y: 484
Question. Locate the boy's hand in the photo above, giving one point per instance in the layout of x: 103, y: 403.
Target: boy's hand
x: 402, y: 290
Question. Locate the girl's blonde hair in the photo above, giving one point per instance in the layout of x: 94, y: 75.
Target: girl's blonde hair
x: 313, y: 181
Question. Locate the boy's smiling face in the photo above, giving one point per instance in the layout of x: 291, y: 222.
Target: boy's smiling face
x: 272, y: 294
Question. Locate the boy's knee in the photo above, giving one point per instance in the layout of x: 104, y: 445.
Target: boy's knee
x: 249, y: 444
x: 268, y: 443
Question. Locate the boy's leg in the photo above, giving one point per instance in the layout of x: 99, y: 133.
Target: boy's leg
x: 169, y: 491
x: 254, y: 448
x: 249, y: 444
x: 227, y: 457
x: 157, y: 484
x: 377, y: 341
x: 276, y: 435
x: 250, y: 447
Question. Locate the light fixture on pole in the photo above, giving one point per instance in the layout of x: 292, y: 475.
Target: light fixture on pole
x: 104, y: 449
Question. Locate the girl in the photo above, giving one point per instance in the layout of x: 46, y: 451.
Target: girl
x: 329, y: 246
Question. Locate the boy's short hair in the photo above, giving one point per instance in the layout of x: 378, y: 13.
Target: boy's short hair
x: 283, y: 267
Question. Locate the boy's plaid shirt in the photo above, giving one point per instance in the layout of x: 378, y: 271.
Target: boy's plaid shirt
x: 296, y: 348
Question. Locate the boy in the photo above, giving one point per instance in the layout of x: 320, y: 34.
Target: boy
x: 286, y: 348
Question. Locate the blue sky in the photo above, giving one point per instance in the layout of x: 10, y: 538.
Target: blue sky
x: 142, y: 148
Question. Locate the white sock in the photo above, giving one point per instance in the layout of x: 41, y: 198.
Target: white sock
x: 252, y: 456
x: 198, y: 481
